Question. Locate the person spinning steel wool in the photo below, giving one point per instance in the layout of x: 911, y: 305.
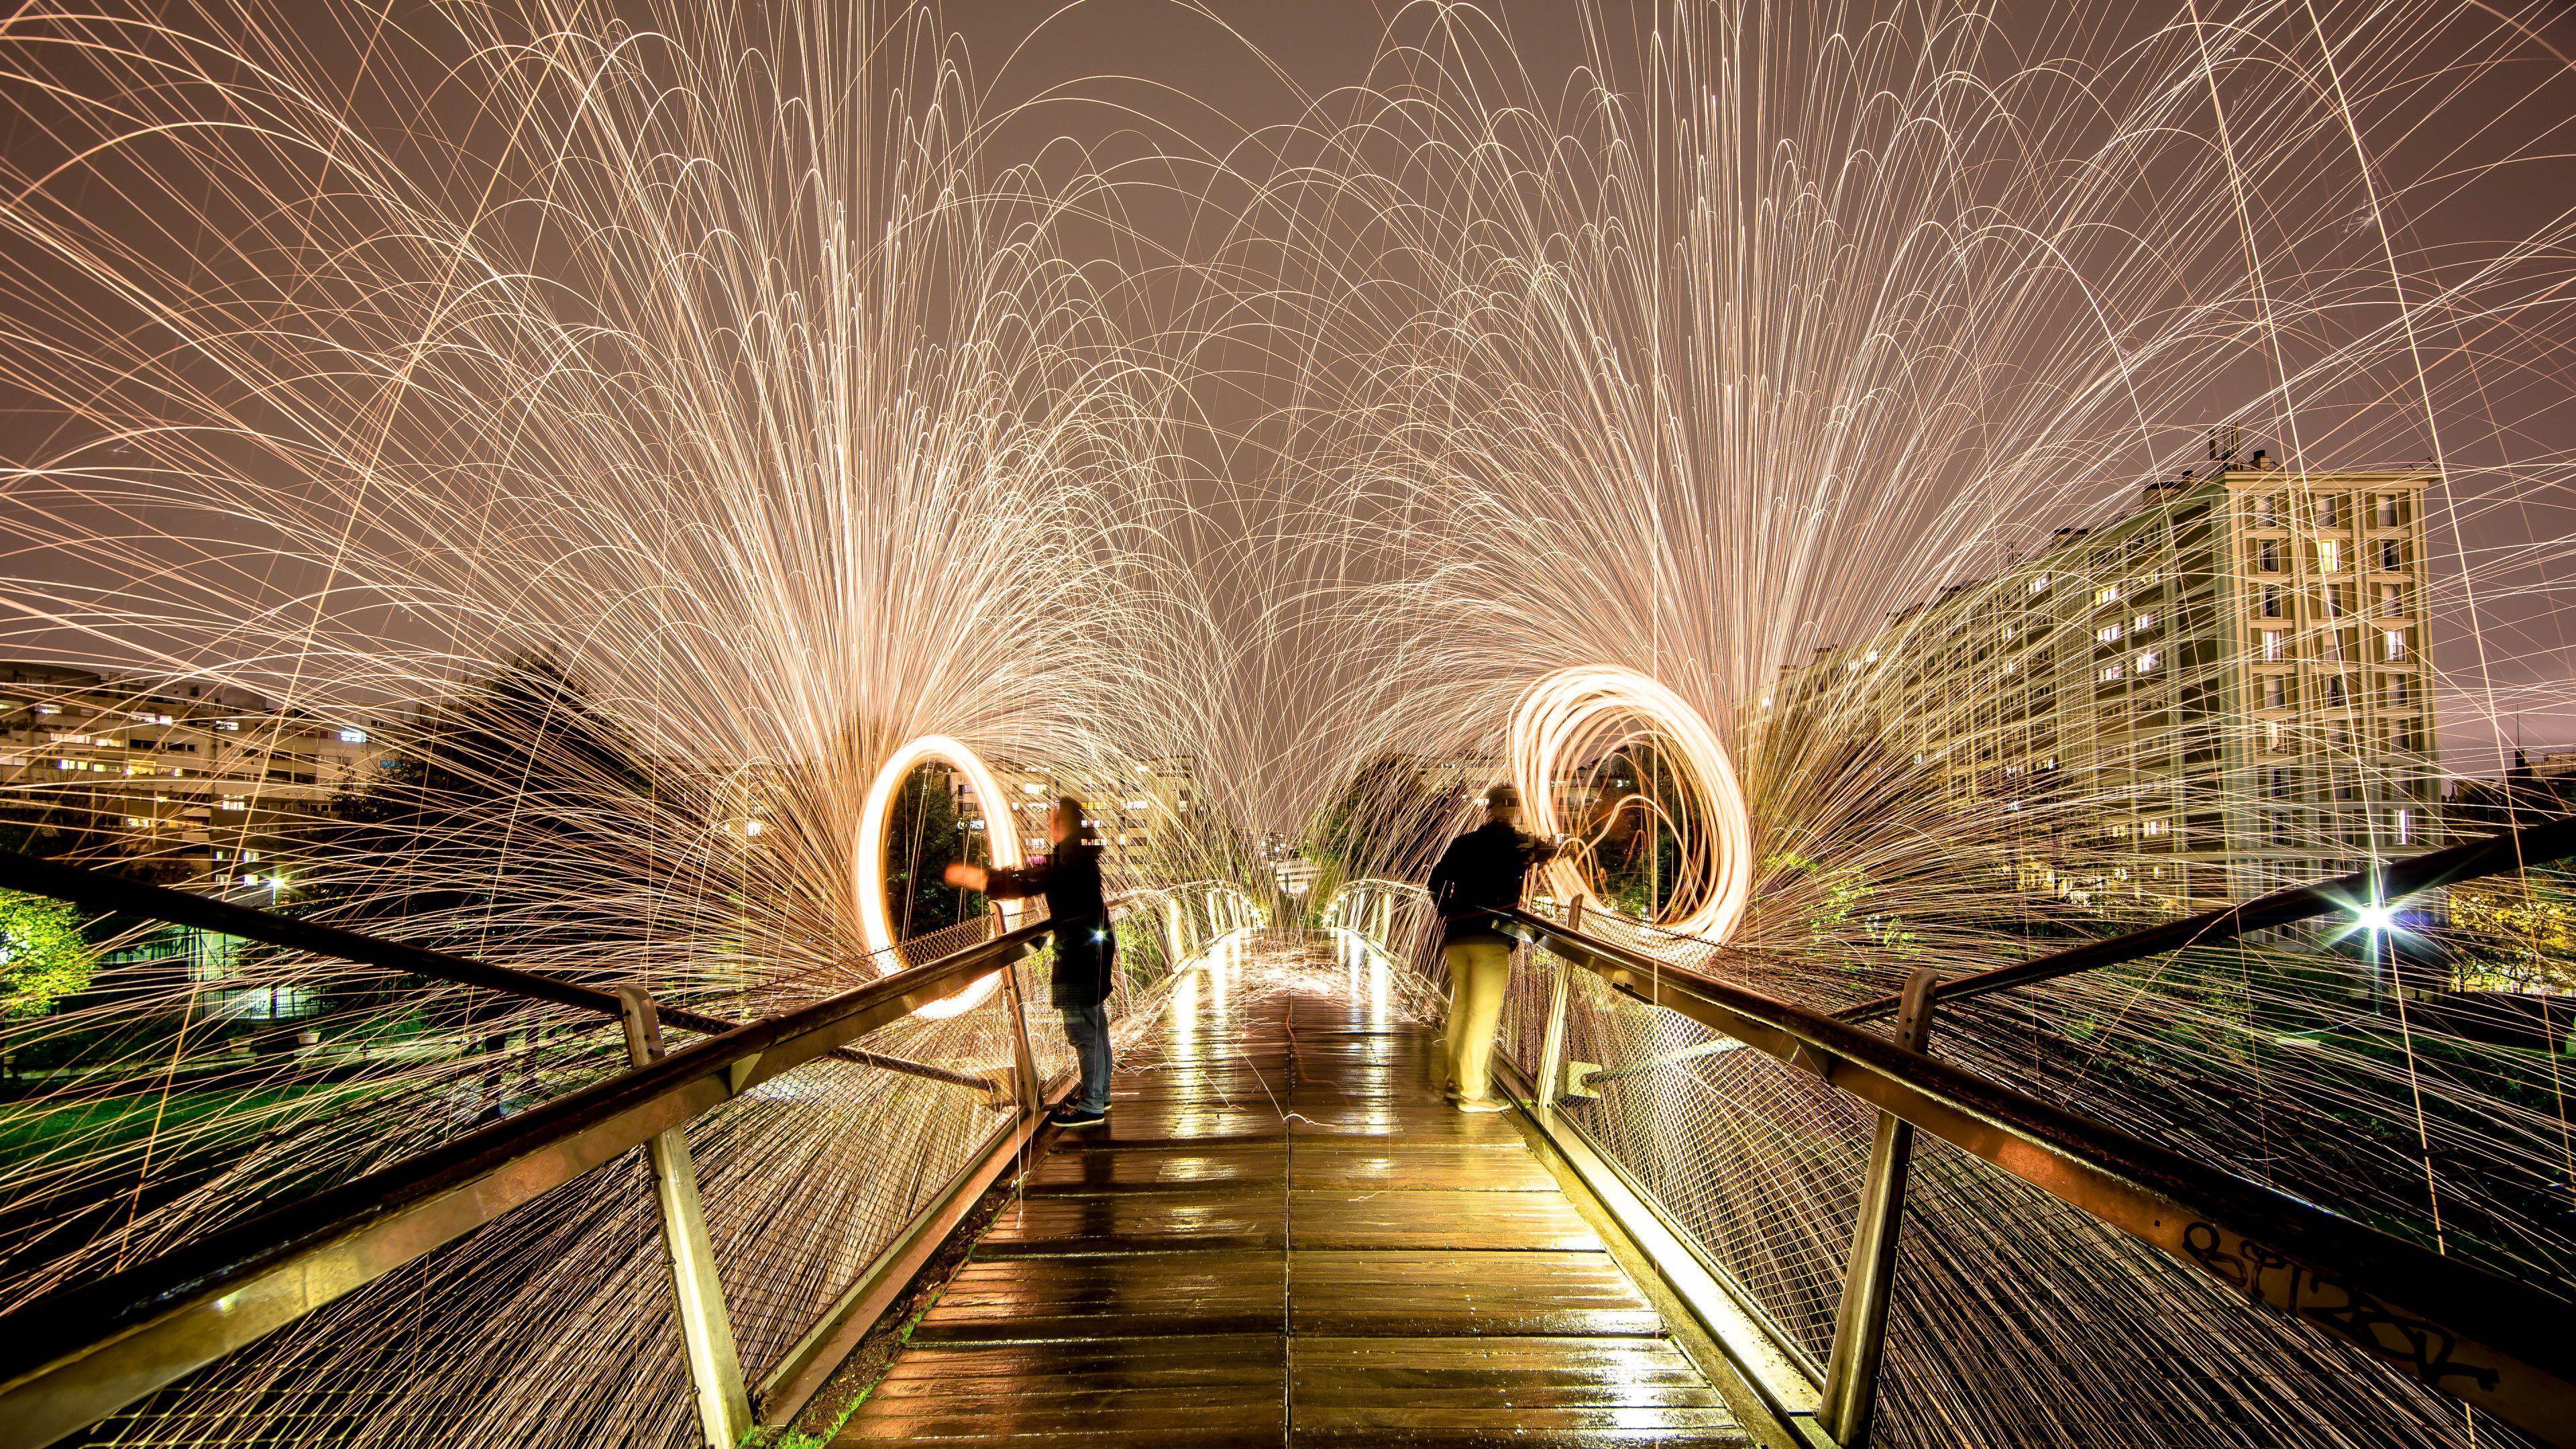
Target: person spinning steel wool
x: 1086, y: 948
x: 1478, y: 874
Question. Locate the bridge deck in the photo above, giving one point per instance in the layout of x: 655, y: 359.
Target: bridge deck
x: 1286, y: 1236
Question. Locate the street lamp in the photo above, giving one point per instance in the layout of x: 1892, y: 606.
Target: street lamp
x: 2378, y: 920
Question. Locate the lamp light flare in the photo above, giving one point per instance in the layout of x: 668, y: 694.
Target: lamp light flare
x: 1575, y: 715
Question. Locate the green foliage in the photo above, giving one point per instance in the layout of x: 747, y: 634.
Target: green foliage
x: 924, y: 836
x: 1832, y: 895
x: 44, y: 957
x: 1833, y: 901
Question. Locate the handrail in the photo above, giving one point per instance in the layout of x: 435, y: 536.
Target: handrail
x: 2494, y: 1341
x: 100, y: 891
x: 139, y: 1330
x: 2543, y: 844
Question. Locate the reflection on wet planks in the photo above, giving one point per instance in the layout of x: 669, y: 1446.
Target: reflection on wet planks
x: 1286, y: 1236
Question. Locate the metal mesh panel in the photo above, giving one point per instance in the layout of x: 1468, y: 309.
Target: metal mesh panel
x: 806, y: 1178
x: 2017, y: 1318
x: 1760, y: 1166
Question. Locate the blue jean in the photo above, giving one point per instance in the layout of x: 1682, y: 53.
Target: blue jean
x: 1087, y: 1027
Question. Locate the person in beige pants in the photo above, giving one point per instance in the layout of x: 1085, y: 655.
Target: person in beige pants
x: 1478, y: 874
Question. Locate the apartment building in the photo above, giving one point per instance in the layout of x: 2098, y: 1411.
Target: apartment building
x: 202, y: 780
x: 2222, y: 692
x: 1149, y: 815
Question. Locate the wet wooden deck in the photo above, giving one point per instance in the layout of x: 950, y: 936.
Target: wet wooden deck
x: 1286, y: 1236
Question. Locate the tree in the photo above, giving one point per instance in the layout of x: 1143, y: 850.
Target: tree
x: 924, y: 836
x: 44, y: 956
x: 1387, y: 821
x: 514, y: 814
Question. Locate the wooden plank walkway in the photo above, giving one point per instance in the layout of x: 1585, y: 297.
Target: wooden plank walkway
x: 1286, y: 1236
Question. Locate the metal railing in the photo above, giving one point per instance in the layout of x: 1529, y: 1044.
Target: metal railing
x: 2480, y: 1337
x: 75, y: 1356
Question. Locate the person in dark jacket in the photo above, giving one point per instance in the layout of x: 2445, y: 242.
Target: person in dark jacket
x: 1086, y: 948
x: 1478, y: 874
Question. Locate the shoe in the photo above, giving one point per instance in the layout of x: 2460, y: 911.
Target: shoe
x: 1077, y: 1117
x: 1449, y: 1095
x: 1482, y: 1104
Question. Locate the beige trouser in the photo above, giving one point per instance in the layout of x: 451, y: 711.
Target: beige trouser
x: 1478, y: 972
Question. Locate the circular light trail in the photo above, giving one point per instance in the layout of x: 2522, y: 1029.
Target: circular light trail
x: 1572, y: 717
x: 876, y: 922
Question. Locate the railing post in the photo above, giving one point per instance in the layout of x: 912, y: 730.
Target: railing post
x: 1024, y: 1061
x: 706, y: 1332
x: 1860, y: 1328
x: 1551, y: 1048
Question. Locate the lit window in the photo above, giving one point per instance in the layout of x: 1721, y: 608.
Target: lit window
x: 2108, y: 633
x: 2110, y: 672
x: 2146, y: 661
x: 2329, y: 555
x: 2108, y: 594
x: 2143, y: 623
x: 353, y: 737
x: 2405, y: 826
x: 2037, y: 586
x: 2396, y: 643
x: 2272, y: 644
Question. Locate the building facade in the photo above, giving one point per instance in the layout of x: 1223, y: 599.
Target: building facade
x: 206, y: 786
x: 2222, y: 693
x: 199, y: 780
x: 1150, y: 817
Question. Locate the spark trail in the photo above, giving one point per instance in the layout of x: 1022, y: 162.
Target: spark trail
x: 711, y: 388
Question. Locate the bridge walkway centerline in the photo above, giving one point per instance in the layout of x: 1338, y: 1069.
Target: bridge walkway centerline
x: 1285, y: 1236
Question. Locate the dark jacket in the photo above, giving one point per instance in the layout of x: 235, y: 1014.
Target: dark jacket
x: 1086, y: 949
x: 1481, y: 871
